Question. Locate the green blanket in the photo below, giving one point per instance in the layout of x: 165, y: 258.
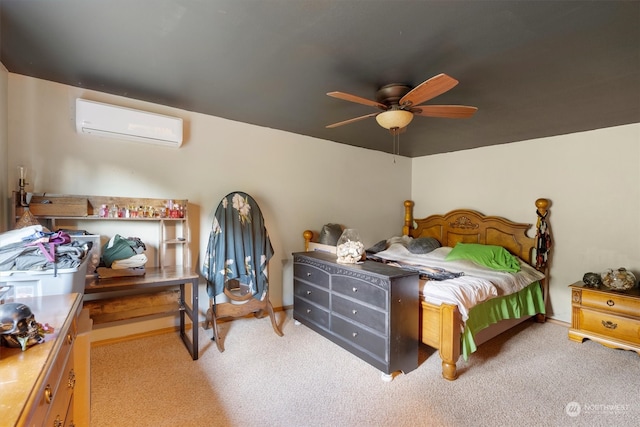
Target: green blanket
x: 527, y: 302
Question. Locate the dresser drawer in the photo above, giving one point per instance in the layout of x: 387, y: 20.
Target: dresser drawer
x: 374, y: 319
x: 616, y: 327
x: 311, y: 293
x: 611, y: 302
x: 53, y: 393
x: 313, y: 313
x: 358, y: 336
x: 360, y: 290
x: 61, y: 398
x: 311, y: 274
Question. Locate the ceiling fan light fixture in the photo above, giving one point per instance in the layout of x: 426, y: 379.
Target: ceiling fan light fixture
x: 393, y: 119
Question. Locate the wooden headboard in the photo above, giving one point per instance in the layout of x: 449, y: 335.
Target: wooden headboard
x: 469, y: 226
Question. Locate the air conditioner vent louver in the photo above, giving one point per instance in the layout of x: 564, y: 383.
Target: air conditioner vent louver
x: 125, y: 123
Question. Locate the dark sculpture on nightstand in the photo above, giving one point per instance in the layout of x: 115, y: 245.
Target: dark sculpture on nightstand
x: 592, y: 280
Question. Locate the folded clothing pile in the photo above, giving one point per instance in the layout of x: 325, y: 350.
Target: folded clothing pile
x: 33, y: 248
x: 123, y: 257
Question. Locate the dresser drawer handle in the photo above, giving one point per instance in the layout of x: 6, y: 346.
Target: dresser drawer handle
x: 308, y: 274
x: 308, y: 310
x: 610, y: 303
x: 69, y: 339
x: 354, y: 334
x: 308, y: 292
x: 354, y: 289
x: 58, y: 422
x: 609, y: 325
x: 48, y: 394
x: 354, y: 311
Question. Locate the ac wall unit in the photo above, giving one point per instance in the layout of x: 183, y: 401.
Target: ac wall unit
x: 112, y: 121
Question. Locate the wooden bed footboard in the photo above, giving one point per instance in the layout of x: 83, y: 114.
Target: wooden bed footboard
x: 441, y: 328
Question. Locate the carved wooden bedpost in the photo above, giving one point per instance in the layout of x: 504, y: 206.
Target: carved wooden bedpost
x: 543, y: 209
x: 543, y: 206
x: 408, y: 218
x: 308, y: 235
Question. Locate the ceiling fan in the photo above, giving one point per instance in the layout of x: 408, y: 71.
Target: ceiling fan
x: 400, y: 103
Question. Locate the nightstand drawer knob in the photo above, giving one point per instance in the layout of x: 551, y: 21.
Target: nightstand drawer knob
x: 610, y: 303
x: 354, y: 289
x: 354, y: 311
x: 308, y: 310
x: 609, y: 325
x: 355, y: 334
x: 308, y: 274
x: 308, y: 292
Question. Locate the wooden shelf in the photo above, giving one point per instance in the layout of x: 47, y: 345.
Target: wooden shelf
x: 173, y: 236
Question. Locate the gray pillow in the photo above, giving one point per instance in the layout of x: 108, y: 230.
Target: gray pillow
x: 330, y: 234
x: 378, y: 247
x: 423, y: 245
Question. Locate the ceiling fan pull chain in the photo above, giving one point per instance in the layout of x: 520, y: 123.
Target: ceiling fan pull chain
x: 395, y: 149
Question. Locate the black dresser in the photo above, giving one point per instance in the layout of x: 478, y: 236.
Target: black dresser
x: 370, y: 309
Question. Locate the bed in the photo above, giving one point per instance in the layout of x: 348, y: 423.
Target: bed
x: 449, y: 327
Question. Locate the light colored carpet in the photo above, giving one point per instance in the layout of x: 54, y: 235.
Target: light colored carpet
x: 528, y: 376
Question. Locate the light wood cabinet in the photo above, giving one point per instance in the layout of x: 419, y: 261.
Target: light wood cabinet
x: 39, y: 385
x: 609, y: 317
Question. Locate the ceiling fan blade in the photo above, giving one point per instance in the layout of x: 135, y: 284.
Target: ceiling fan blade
x: 427, y: 90
x: 357, y: 100
x: 355, y: 119
x: 446, y: 111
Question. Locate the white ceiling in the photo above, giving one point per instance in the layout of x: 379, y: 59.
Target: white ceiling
x: 533, y: 69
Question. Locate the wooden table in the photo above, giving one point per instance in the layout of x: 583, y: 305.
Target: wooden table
x: 154, y: 278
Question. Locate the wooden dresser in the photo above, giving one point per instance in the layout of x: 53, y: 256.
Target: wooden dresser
x: 609, y: 317
x: 369, y: 309
x: 47, y: 385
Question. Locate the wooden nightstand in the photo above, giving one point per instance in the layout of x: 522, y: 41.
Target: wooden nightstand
x: 609, y: 317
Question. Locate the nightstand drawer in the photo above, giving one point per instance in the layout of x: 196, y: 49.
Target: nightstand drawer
x: 617, y: 327
x: 611, y: 302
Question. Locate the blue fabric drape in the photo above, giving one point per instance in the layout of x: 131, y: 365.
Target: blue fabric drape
x: 239, y: 246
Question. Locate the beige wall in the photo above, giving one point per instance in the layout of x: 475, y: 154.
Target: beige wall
x: 592, y: 179
x: 298, y: 181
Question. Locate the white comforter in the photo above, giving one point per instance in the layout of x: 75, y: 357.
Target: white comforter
x: 477, y: 285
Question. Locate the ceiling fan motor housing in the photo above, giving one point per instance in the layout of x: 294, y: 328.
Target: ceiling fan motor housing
x: 391, y: 94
